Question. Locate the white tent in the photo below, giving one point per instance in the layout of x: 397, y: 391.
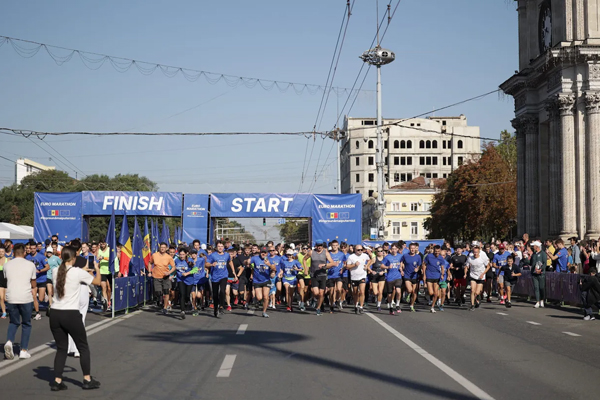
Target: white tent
x: 10, y: 231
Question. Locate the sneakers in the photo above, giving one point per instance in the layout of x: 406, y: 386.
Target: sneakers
x: 502, y: 302
x: 228, y: 308
x: 265, y: 315
x: 412, y: 309
x: 289, y: 309
x: 542, y: 304
x: 472, y: 308
x: 432, y: 310
x: 392, y: 311
x: 441, y: 308
x: 91, y: 384
x: 235, y: 301
x: 195, y: 313
x: 38, y: 316
x: 589, y: 318
x: 164, y: 311
x: 55, y: 386
x: 361, y: 310
x: 318, y: 313
x: 477, y: 303
x: 182, y: 314
x: 8, y: 351
x: 302, y: 307
x: 537, y: 305
x: 378, y: 309
x: 508, y: 305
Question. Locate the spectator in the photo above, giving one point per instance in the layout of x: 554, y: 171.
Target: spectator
x: 3, y: 260
x: 576, y: 254
x: 21, y: 281
x: 560, y: 255
x: 538, y: 262
x: 590, y: 294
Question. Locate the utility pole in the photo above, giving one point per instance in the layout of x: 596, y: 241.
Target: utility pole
x: 378, y: 56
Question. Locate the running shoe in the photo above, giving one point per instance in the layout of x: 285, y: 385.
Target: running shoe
x: 361, y: 310
x: 502, y: 302
x: 38, y: 316
x: 392, y: 311
x: 542, y: 303
x: 432, y: 310
x: 477, y: 304
x: 398, y: 307
x: 355, y: 309
x: 164, y: 311
x: 508, y: 305
x: 378, y: 309
x: 429, y: 303
x: 211, y: 306
x: 537, y: 305
x: 589, y: 318
x: 169, y: 308
x: 235, y: 301
x: 265, y: 315
x: 55, y: 386
x: 441, y: 308
x: 8, y: 351
x: 412, y: 309
x: 91, y: 384
x: 228, y: 308
x: 318, y: 313
x: 273, y: 306
x: 302, y: 308
x: 221, y: 311
x: 182, y: 315
x: 195, y: 313
x: 104, y: 305
x: 288, y: 309
x: 472, y: 308
x: 339, y: 305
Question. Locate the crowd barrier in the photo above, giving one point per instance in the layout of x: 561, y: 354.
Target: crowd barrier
x: 559, y: 287
x: 131, y: 292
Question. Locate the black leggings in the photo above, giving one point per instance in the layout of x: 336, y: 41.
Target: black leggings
x: 184, y: 294
x: 218, y: 289
x: 62, y: 324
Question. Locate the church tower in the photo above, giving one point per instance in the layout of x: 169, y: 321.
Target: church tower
x: 557, y: 118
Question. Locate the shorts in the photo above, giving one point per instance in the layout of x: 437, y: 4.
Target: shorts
x: 433, y: 280
x: 443, y: 285
x: 202, y: 282
x: 261, y: 285
x: 234, y: 285
x: 305, y: 280
x: 332, y: 282
x: 358, y: 282
x: 490, y: 274
x: 345, y: 282
x: 243, y: 284
x: 390, y: 285
x: 319, y: 282
x: 41, y: 283
x: 162, y: 285
x: 377, y: 278
x: 413, y: 281
x: 292, y: 283
x: 509, y: 283
x: 460, y: 282
x: 478, y: 281
x: 501, y: 279
x: 106, y: 278
x: 2, y: 280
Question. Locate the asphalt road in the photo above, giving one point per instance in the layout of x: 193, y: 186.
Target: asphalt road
x: 492, y: 352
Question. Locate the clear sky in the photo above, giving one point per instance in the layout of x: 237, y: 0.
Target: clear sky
x: 446, y: 51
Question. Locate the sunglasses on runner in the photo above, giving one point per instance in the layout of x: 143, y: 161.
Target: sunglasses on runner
x: 358, y: 249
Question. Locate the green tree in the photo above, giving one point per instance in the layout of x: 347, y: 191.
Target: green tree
x: 479, y: 199
x: 294, y: 231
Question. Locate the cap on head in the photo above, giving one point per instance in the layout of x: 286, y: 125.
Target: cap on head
x: 501, y: 246
x: 319, y: 242
x: 536, y: 243
x: 289, y: 252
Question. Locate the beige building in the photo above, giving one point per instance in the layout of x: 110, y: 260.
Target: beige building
x: 557, y: 118
x: 25, y: 167
x: 407, y: 207
x: 421, y: 147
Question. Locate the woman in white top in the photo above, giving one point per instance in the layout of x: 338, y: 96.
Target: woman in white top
x: 65, y: 318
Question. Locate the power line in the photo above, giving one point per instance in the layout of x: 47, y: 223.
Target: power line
x: 27, y: 133
x: 94, y: 61
x: 8, y: 159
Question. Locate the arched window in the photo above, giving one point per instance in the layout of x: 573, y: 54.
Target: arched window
x: 434, y: 144
x: 428, y: 144
x: 358, y: 144
x: 370, y: 144
x: 460, y: 144
x: 396, y: 144
x: 409, y: 144
x: 422, y: 144
x: 402, y: 144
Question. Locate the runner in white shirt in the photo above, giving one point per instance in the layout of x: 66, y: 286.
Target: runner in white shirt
x: 479, y: 264
x: 357, y: 263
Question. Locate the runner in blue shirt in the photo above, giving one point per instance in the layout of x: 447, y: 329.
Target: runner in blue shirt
x: 261, y: 276
x: 218, y: 262
x: 198, y: 281
x: 411, y: 264
x: 334, y: 282
x: 41, y: 265
x: 185, y: 278
x: 393, y: 279
x: 289, y: 268
x: 275, y: 259
x: 498, y: 262
x: 443, y: 281
x: 433, y: 266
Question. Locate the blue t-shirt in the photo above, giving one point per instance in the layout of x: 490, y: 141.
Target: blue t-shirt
x: 275, y: 260
x: 201, y: 273
x: 393, y: 262
x: 562, y: 260
x: 181, y: 266
x: 410, y: 263
x: 500, y: 261
x: 261, y: 270
x: 289, y: 274
x: 444, y: 277
x: 219, y: 270
x: 40, y: 261
x: 433, y: 266
x: 339, y: 258
x: 53, y: 262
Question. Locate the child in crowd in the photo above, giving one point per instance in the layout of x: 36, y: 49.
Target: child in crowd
x: 273, y: 290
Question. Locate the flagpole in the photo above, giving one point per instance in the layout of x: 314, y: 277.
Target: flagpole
x: 113, y: 291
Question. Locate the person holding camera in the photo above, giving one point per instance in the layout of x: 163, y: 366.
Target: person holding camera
x: 590, y: 293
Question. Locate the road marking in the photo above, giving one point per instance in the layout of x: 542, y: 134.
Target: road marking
x: 8, y: 366
x: 571, y: 334
x: 502, y: 313
x: 225, y: 369
x: 242, y: 329
x: 477, y: 392
x: 533, y: 323
x: 250, y: 312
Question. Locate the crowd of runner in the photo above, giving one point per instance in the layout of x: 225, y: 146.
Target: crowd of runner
x: 327, y: 277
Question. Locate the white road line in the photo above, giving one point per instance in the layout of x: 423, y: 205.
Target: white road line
x: 8, y: 366
x: 250, y: 312
x: 242, y: 329
x: 533, y: 323
x: 502, y: 313
x: 477, y: 392
x: 571, y: 334
x: 226, y: 367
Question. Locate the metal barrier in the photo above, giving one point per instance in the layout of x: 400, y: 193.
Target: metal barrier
x: 131, y: 292
x: 559, y: 287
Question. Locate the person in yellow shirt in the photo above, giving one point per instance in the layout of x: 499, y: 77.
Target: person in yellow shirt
x: 550, y: 248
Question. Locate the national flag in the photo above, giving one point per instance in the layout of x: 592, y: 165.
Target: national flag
x: 126, y: 251
x: 137, y: 258
x: 165, y: 236
x: 146, y: 243
x: 111, y: 241
x: 333, y: 215
x: 155, y: 236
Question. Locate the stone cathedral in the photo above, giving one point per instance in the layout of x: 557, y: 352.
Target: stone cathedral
x: 557, y: 118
